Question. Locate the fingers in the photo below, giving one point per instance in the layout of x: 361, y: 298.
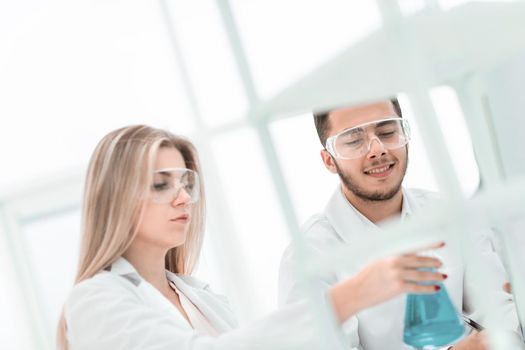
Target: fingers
x: 413, y: 278
x: 410, y: 287
x: 422, y: 276
x: 507, y: 288
x: 432, y: 246
x: 415, y: 261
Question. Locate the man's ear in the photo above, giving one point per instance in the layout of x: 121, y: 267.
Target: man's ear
x: 328, y: 161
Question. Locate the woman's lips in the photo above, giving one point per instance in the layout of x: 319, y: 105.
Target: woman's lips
x: 182, y: 218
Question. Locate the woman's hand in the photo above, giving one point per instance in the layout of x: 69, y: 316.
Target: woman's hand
x: 385, y: 279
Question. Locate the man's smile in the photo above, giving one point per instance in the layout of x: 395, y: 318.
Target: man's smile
x: 381, y: 171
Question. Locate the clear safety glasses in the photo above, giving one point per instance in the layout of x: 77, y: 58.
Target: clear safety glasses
x: 353, y: 143
x: 169, y: 183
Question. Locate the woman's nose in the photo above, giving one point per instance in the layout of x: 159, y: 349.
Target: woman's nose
x: 182, y: 198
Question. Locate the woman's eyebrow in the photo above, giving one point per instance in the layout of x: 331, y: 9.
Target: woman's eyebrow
x: 163, y: 173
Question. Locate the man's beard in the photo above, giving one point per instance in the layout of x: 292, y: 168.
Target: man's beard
x: 370, y: 195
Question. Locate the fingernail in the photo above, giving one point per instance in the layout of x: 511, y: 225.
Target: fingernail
x: 445, y: 276
x: 437, y: 287
x: 442, y: 244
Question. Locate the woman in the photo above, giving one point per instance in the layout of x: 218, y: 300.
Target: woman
x: 143, y: 217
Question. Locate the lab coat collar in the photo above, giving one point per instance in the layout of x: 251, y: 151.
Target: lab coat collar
x: 123, y: 268
x: 198, y: 292
x: 406, y: 208
x: 349, y: 223
x: 193, y: 289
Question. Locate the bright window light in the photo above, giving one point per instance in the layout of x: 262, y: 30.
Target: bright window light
x: 15, y: 330
x: 457, y: 137
x: 286, y: 39
x: 53, y: 244
x: 209, y: 60
x: 309, y: 182
x: 75, y: 71
x: 255, y: 209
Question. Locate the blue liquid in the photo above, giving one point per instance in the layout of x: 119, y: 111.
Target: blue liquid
x: 431, y: 320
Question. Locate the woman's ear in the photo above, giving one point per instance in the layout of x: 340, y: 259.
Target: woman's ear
x: 328, y: 161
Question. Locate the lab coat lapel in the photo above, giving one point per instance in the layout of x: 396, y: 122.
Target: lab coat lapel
x: 156, y: 300
x: 150, y: 295
x: 217, y: 313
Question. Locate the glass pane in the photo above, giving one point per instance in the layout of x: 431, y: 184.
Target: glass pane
x: 505, y: 105
x: 410, y: 7
x: 208, y: 268
x: 286, y: 39
x: 419, y: 172
x: 514, y: 260
x: 209, y: 60
x: 53, y: 244
x: 66, y: 82
x: 309, y: 182
x: 449, y: 4
x: 15, y: 332
x: 262, y: 233
x: 457, y: 137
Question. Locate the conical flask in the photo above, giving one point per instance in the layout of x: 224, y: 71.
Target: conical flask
x: 431, y: 320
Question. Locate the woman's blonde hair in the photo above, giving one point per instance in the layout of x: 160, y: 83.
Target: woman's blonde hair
x: 119, y: 173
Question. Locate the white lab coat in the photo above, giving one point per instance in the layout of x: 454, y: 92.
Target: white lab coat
x: 119, y: 310
x: 381, y: 327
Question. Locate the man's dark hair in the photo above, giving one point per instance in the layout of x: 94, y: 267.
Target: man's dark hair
x: 322, y: 122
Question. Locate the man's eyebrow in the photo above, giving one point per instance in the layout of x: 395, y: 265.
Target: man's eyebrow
x: 163, y: 173
x: 354, y: 130
x: 385, y: 122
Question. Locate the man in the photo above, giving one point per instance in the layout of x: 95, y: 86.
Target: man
x: 367, y: 146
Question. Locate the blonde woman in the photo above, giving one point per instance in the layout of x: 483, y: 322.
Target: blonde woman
x: 143, y: 217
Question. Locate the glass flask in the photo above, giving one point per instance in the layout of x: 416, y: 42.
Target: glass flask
x: 431, y: 320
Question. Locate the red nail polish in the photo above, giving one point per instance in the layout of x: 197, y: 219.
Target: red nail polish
x: 445, y: 276
x: 437, y: 287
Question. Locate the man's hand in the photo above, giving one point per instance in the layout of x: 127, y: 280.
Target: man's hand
x: 474, y: 341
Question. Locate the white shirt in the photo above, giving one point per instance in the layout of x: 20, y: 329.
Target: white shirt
x: 119, y: 310
x: 381, y: 327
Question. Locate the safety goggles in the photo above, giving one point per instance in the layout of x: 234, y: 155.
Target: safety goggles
x: 356, y: 142
x: 168, y: 184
